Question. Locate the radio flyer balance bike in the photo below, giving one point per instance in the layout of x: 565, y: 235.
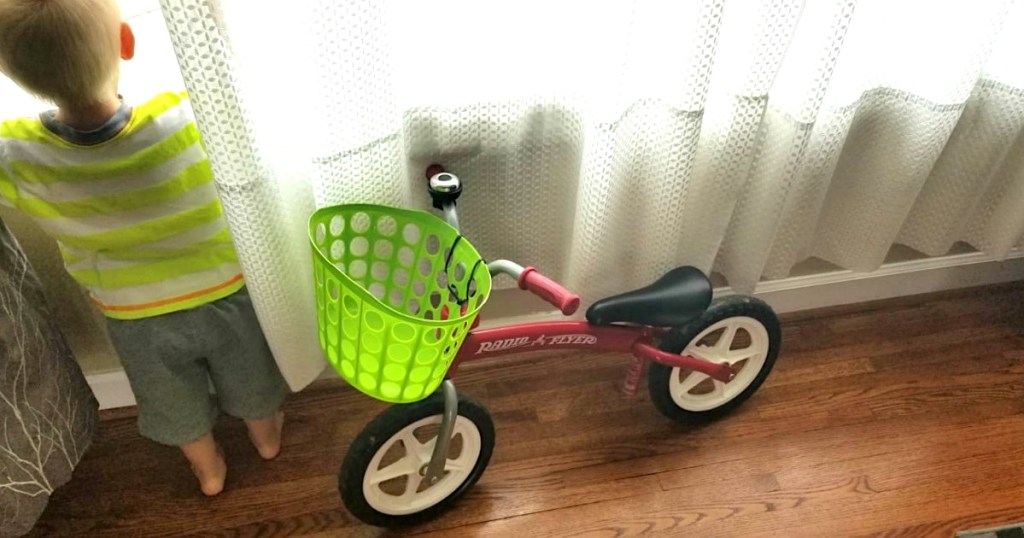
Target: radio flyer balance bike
x: 398, y: 293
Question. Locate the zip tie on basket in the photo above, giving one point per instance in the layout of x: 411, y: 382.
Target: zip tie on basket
x: 470, y: 277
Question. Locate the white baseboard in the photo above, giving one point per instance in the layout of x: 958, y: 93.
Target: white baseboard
x: 786, y: 295
x: 899, y: 279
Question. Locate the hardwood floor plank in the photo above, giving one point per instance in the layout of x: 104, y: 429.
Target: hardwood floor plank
x: 898, y: 418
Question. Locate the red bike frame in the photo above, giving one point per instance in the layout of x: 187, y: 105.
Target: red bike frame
x: 564, y: 335
x: 482, y: 344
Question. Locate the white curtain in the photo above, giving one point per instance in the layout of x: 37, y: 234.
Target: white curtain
x: 608, y: 142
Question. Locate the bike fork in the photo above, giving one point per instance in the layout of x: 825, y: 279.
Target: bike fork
x: 435, y: 469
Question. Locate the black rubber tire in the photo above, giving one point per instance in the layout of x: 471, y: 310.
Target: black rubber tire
x: 734, y: 306
x: 380, y: 430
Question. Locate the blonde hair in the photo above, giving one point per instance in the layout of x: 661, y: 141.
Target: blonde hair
x: 64, y: 51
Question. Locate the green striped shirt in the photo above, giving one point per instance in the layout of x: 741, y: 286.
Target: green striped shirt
x: 136, y: 217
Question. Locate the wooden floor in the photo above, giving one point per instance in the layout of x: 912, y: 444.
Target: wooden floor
x: 904, y: 418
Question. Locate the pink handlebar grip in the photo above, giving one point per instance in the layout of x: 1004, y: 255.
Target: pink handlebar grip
x: 549, y: 290
x: 433, y: 170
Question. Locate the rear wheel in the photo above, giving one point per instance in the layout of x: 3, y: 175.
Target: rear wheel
x: 381, y: 480
x: 740, y: 331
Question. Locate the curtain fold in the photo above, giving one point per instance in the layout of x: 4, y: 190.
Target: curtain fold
x: 265, y: 211
x: 609, y: 143
x: 980, y: 146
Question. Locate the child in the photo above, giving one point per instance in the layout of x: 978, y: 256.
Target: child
x: 128, y: 194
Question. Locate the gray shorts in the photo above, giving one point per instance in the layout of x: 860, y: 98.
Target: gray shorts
x: 171, y: 359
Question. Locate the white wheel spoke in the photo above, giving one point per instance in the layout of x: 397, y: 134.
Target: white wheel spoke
x: 411, y: 500
x: 403, y: 467
x: 691, y: 381
x: 725, y: 341
x: 718, y: 391
x: 703, y: 352
x: 738, y: 355
x: 749, y: 360
x: 414, y: 448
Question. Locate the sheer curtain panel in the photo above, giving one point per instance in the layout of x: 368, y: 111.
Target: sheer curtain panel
x: 608, y: 142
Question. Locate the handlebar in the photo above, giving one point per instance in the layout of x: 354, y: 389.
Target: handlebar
x: 549, y: 290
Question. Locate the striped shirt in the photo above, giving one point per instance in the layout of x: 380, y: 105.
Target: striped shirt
x: 136, y: 217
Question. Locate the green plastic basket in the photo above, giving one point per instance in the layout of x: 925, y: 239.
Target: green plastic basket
x: 396, y: 293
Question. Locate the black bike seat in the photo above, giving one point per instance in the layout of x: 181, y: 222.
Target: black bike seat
x: 679, y: 296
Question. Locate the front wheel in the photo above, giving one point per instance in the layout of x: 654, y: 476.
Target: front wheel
x: 740, y: 331
x: 381, y: 480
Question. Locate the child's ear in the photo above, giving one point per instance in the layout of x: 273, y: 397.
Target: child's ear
x: 127, y: 42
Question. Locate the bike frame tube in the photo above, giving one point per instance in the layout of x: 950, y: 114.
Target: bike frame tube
x: 482, y: 344
x: 565, y: 335
x: 561, y: 335
x: 720, y: 371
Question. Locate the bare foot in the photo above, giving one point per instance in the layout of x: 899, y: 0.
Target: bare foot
x: 211, y: 481
x: 208, y: 464
x: 265, y: 434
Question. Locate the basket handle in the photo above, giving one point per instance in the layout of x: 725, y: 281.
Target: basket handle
x: 470, y: 276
